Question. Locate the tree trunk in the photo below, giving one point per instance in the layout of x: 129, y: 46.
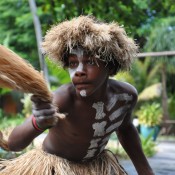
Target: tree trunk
x: 164, y: 97
x: 38, y: 32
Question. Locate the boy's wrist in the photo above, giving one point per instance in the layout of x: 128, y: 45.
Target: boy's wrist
x: 36, y: 125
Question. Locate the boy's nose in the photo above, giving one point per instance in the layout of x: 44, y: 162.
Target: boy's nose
x: 80, y: 73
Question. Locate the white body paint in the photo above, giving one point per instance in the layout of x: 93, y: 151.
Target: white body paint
x: 99, y: 128
x: 118, y: 97
x: 102, y: 148
x: 94, y: 143
x: 99, y: 106
x: 83, y: 93
x: 105, y: 140
x: 114, y: 126
x: 119, y: 112
x: 90, y: 153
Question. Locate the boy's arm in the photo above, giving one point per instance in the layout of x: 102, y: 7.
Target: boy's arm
x: 22, y: 135
x: 44, y: 114
x: 129, y: 139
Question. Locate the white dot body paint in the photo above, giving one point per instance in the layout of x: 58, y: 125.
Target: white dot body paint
x: 83, y: 93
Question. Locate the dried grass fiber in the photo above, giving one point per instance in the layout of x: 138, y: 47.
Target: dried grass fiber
x: 38, y: 162
x: 17, y: 74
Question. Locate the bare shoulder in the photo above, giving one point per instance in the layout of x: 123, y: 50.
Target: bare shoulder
x: 62, y: 97
x: 119, y: 87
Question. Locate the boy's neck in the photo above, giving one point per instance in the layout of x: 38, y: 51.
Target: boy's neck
x: 99, y: 95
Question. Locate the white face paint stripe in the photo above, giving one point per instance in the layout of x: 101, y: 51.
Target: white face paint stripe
x: 118, y: 112
x: 114, y: 126
x: 71, y: 72
x: 80, y: 67
x: 99, y: 128
x: 79, y: 53
x: 99, y: 106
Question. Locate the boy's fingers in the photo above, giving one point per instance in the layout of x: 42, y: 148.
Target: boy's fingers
x: 37, y: 106
x: 43, y: 112
x: 59, y: 115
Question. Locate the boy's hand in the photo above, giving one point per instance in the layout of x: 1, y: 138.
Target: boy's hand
x: 45, y: 113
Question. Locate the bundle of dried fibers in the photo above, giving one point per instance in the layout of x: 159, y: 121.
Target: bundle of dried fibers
x: 17, y: 74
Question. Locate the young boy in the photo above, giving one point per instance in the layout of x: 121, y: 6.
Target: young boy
x: 94, y: 106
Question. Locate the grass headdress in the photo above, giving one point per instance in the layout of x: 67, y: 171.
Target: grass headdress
x: 107, y: 42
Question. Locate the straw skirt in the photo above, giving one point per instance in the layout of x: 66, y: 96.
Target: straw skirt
x: 38, y: 162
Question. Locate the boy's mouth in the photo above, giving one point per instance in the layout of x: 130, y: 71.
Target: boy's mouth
x: 81, y: 86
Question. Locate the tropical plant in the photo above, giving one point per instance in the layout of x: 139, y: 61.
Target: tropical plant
x: 148, y: 145
x: 150, y: 114
x: 162, y: 38
x: 171, y: 106
x: 144, y: 74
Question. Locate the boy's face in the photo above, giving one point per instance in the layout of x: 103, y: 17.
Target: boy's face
x: 87, y: 74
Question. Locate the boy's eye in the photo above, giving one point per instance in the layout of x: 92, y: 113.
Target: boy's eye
x: 73, y: 64
x: 91, y: 62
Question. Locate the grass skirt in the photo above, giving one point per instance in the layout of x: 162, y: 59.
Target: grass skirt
x: 38, y: 162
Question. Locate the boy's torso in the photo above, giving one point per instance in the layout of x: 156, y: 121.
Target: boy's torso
x: 88, y: 124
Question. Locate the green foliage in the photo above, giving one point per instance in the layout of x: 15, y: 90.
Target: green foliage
x: 10, y: 121
x: 27, y: 105
x: 150, y: 114
x: 125, y: 77
x: 17, y: 31
x: 58, y: 76
x: 4, y: 91
x: 171, y: 106
x: 162, y: 38
x: 10, y: 154
x: 1, y: 114
x: 144, y: 74
x: 148, y: 146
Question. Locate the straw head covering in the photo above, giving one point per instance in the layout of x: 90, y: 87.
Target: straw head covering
x: 106, y: 41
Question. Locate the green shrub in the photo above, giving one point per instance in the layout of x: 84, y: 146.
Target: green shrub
x: 150, y: 114
x: 171, y: 106
x: 148, y: 146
